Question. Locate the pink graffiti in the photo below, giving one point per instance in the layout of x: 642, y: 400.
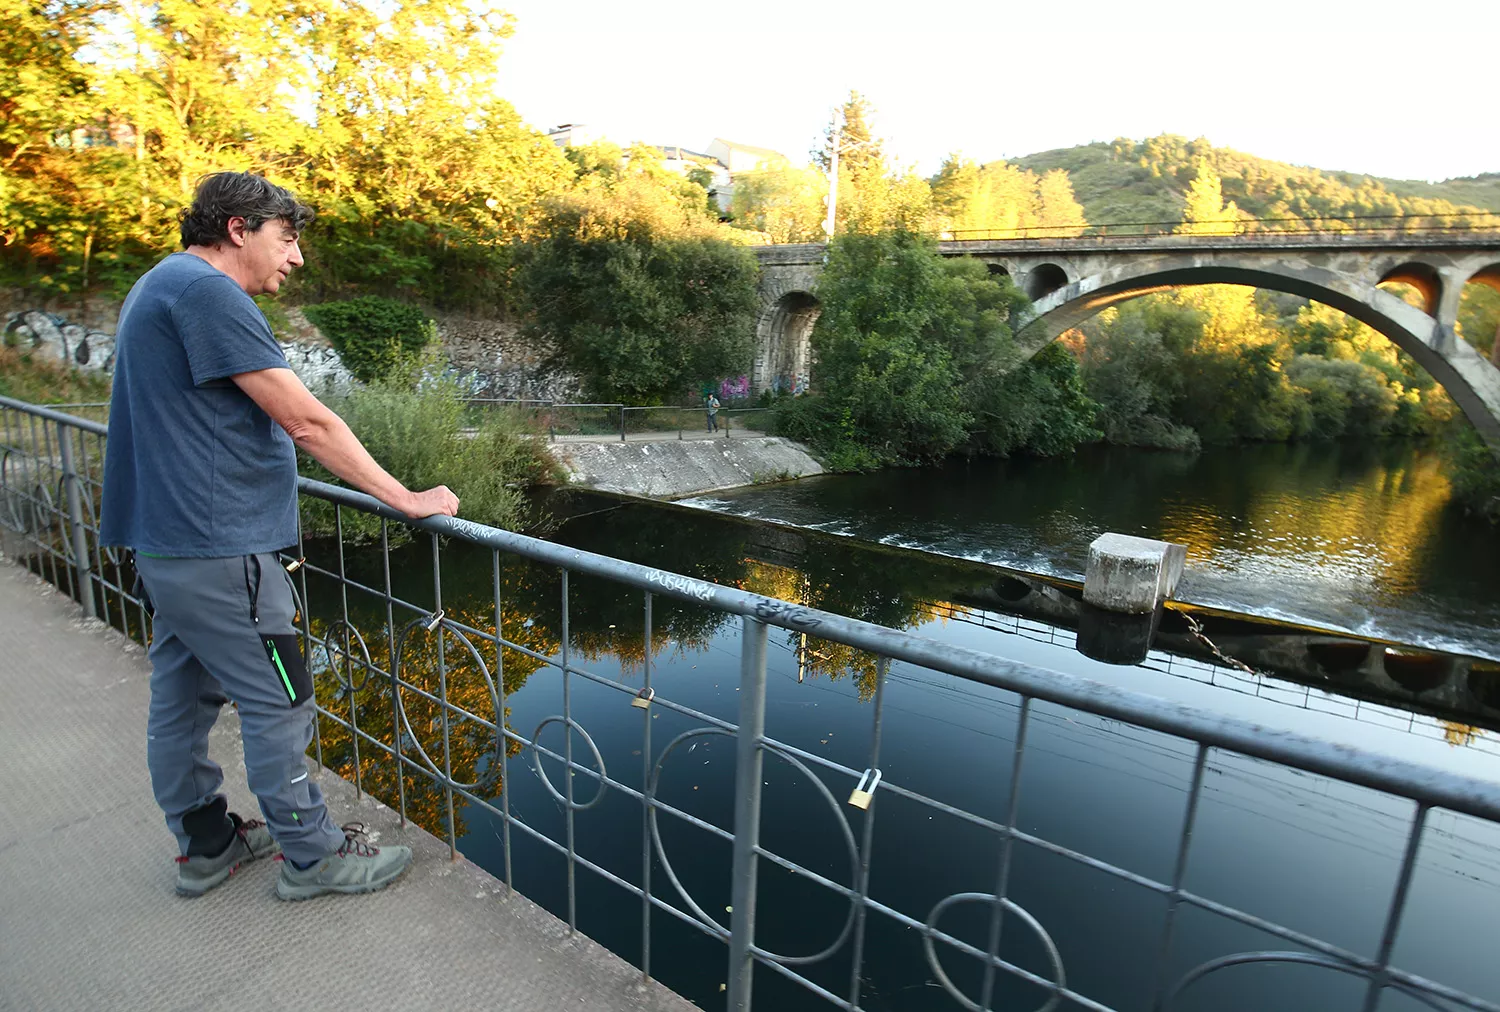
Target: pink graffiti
x: 735, y: 389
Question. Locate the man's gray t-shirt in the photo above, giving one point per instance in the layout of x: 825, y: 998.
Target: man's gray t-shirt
x: 193, y: 467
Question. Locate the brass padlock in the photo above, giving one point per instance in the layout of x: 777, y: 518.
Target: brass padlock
x: 295, y: 564
x: 643, y: 698
x: 865, y: 793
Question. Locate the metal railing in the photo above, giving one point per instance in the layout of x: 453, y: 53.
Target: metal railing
x: 592, y: 421
x: 49, y: 480
x: 1367, y: 224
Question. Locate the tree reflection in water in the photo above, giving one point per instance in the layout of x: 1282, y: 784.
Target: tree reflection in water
x: 605, y: 621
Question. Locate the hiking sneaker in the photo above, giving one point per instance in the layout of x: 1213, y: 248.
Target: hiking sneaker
x: 198, y: 874
x: 356, y: 867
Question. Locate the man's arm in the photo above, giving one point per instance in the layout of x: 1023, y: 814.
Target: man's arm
x: 323, y: 436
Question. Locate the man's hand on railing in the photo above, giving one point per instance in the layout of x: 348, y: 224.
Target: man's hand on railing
x: 434, y: 502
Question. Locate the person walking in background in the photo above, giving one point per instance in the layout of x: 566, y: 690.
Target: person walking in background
x: 712, y: 403
x: 200, y: 482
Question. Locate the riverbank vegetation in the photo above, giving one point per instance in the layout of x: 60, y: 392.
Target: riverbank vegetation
x: 915, y: 360
x: 27, y: 378
x: 636, y: 289
x: 1220, y: 364
x: 420, y: 435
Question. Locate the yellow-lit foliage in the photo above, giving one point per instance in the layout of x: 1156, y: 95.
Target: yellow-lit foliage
x: 471, y: 745
x: 1458, y: 735
x: 1002, y: 197
x: 823, y: 657
x: 1205, y: 212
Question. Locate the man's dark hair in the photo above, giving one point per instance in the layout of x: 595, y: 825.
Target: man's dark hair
x: 225, y: 195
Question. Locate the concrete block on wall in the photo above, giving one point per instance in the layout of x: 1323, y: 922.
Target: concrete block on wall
x: 1132, y: 575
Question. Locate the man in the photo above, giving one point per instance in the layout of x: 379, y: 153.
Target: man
x: 200, y: 480
x: 712, y: 404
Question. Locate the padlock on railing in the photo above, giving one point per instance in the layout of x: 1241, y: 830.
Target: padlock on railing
x: 863, y: 793
x: 643, y: 698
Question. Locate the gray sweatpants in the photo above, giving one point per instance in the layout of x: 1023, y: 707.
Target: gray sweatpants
x: 223, y: 629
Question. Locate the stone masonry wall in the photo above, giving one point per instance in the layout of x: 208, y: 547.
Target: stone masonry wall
x: 489, y: 354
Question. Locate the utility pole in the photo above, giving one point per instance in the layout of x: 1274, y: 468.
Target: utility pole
x: 833, y: 174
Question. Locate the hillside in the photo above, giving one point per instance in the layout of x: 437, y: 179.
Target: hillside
x: 1144, y: 181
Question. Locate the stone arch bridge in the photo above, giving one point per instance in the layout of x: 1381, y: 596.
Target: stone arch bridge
x: 1071, y: 279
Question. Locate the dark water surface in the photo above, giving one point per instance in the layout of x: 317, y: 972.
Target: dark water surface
x: 1301, y: 850
x: 1357, y: 537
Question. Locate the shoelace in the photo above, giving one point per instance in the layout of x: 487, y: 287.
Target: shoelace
x: 248, y: 824
x: 241, y: 827
x: 353, y: 831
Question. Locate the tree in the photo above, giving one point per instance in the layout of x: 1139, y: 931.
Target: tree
x: 1004, y: 198
x: 57, y: 195
x: 641, y: 296
x: 915, y: 359
x: 1205, y: 212
x: 787, y: 205
x: 1058, y: 211
x: 872, y: 196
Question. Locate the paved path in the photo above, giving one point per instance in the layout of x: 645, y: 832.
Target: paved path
x: 88, y: 918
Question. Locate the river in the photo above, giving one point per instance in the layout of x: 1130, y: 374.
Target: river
x: 1355, y: 537
x: 1315, y: 855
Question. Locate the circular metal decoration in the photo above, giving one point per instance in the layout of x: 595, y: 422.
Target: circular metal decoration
x: 346, y: 627
x: 536, y: 761
x: 416, y: 743
x: 16, y: 522
x: 40, y: 495
x: 666, y: 864
x: 1308, y: 958
x: 1009, y: 907
x: 91, y: 520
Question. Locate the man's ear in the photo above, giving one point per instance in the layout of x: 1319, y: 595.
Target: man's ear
x: 237, y: 231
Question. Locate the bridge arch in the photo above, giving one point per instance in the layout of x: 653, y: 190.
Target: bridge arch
x: 1472, y: 382
x: 783, y: 339
x: 1486, y: 276
x: 1424, y: 278
x: 1044, y: 279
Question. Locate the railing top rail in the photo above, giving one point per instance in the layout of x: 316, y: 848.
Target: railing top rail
x: 98, y: 428
x: 1426, y: 784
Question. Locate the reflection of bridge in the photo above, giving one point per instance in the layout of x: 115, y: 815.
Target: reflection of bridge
x: 1071, y: 279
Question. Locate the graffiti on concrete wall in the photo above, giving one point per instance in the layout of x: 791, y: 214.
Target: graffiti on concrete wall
x: 734, y: 389
x: 794, y: 384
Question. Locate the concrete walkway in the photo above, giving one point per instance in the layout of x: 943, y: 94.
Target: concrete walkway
x: 88, y: 918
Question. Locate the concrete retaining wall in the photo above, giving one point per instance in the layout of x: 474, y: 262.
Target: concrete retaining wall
x: 671, y: 468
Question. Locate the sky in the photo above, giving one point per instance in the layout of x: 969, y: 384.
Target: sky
x: 1403, y: 90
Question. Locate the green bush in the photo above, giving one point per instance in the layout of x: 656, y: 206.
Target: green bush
x: 419, y: 437
x: 641, y: 300
x: 1039, y: 408
x: 1343, y: 396
x: 915, y: 360
x: 374, y: 337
